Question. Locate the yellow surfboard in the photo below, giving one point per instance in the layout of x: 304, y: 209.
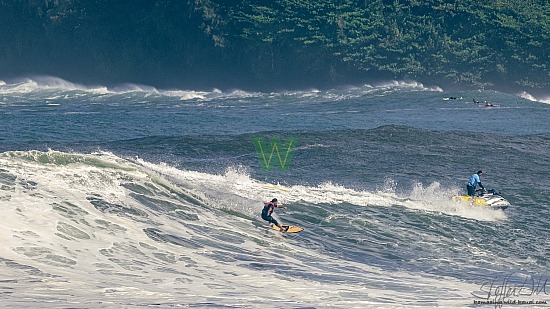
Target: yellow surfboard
x: 289, y: 228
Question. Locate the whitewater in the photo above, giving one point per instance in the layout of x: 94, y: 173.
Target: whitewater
x: 135, y: 197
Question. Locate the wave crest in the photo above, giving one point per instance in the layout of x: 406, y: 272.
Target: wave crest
x: 530, y: 97
x: 43, y: 86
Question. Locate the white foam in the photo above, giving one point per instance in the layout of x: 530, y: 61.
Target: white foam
x: 529, y: 97
x: 41, y: 83
x: 236, y: 185
x: 48, y: 83
x: 409, y: 84
x: 65, y: 89
x: 187, y: 95
x: 437, y: 199
x: 117, y: 265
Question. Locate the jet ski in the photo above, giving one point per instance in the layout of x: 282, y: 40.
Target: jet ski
x: 490, y: 198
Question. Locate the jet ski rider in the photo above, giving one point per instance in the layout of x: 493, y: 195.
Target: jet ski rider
x: 473, y: 182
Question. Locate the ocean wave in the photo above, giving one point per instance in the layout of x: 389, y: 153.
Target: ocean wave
x: 410, y: 85
x: 101, y: 227
x: 237, y: 189
x: 530, y: 97
x: 45, y: 85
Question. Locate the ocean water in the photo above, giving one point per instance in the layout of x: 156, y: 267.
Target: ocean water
x: 135, y: 197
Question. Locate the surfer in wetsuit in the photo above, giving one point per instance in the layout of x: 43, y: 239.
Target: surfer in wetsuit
x: 473, y: 182
x: 268, y: 211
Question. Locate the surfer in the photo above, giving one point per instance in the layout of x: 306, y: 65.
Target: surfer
x: 473, y: 182
x: 268, y: 211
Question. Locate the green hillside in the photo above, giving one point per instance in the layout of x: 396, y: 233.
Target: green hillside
x: 279, y: 43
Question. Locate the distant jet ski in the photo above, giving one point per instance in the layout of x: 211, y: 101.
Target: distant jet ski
x: 490, y: 198
x: 488, y: 104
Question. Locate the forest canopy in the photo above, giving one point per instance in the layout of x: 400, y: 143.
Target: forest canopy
x: 279, y: 43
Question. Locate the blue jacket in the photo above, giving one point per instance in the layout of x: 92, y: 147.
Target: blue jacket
x: 474, y: 181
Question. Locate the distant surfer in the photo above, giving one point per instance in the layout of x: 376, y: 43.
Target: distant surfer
x: 268, y: 211
x: 474, y: 182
